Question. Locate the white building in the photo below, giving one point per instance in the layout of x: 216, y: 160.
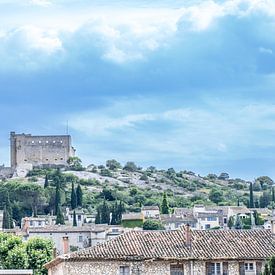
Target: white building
x: 150, y: 212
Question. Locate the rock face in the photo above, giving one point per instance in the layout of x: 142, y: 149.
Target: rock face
x: 29, y: 151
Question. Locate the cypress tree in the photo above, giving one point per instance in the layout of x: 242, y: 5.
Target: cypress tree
x: 251, y: 199
x: 59, y: 216
x: 46, y: 183
x: 57, y: 197
x: 164, y: 205
x: 73, y: 198
x: 115, y: 212
x: 8, y: 210
x: 105, y: 213
x: 272, y: 265
x: 120, y: 211
x: 79, y: 195
x: 74, y: 219
x: 6, y: 219
x: 97, y: 217
x: 273, y: 194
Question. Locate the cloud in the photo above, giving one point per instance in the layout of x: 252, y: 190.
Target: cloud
x: 42, y: 3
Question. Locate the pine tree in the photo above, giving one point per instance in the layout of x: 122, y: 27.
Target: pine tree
x: 46, y: 183
x: 73, y: 198
x: 74, y: 219
x: 59, y: 216
x: 251, y: 199
x: 164, y: 205
x: 79, y: 195
x: 97, y: 217
x: 105, y: 213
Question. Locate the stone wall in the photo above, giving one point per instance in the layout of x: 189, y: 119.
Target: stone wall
x: 40, y: 151
x: 136, y: 268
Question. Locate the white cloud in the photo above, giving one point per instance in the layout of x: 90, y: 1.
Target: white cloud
x: 42, y: 3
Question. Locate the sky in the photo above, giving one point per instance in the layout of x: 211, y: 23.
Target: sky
x: 186, y: 84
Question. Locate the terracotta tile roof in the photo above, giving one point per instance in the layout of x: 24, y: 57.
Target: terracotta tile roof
x: 164, y: 245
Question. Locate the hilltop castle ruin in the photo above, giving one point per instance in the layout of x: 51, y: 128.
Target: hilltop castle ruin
x: 28, y: 151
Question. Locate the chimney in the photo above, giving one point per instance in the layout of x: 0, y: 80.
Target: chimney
x: 188, y: 235
x: 66, y: 245
x: 26, y: 225
x: 273, y: 222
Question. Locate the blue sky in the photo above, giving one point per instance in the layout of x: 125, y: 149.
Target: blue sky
x: 184, y: 84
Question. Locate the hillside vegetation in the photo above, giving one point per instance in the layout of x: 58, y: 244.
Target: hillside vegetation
x: 45, y: 191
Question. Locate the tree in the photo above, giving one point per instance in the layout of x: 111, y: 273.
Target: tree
x: 113, y: 164
x: 238, y: 223
x: 273, y: 194
x: 98, y: 217
x: 223, y: 176
x: 230, y: 222
x: 59, y: 216
x: 73, y: 198
x: 105, y: 213
x: 266, y: 269
x: 264, y: 180
x: 79, y: 195
x: 164, y: 205
x: 75, y: 163
x: 17, y: 258
x: 152, y: 225
x: 264, y: 199
x: 74, y: 219
x: 6, y: 219
x: 40, y: 251
x: 216, y: 195
x: 272, y: 265
x: 57, y: 197
x: 46, y: 183
x: 251, y: 199
x: 130, y: 166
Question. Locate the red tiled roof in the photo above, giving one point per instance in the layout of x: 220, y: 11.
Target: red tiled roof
x: 166, y: 245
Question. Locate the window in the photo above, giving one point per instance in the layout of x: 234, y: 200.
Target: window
x: 211, y: 219
x: 215, y: 269
x: 79, y: 217
x: 207, y: 226
x: 39, y: 223
x: 31, y: 223
x: 249, y: 266
x: 39, y: 141
x: 176, y: 269
x: 124, y: 270
x: 80, y: 239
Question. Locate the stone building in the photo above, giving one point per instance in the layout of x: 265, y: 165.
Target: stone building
x: 178, y: 252
x: 29, y: 151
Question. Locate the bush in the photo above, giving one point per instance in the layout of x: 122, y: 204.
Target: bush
x: 152, y: 225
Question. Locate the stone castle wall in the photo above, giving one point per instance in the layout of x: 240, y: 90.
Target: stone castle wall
x: 29, y: 151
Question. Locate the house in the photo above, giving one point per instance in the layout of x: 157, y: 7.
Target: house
x: 172, y: 222
x: 177, y: 252
x: 39, y: 221
x: 72, y: 238
x: 132, y: 220
x: 80, y: 216
x: 150, y: 212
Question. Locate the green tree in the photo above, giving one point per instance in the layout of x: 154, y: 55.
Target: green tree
x: 251, y: 198
x: 130, y: 166
x: 152, y: 225
x: 79, y: 196
x: 164, y: 205
x: 266, y: 269
x: 230, y: 222
x: 215, y: 195
x: 73, y: 198
x: 113, y: 164
x: 57, y: 197
x: 46, y: 183
x: 265, y: 199
x: 75, y: 163
x: 97, y: 217
x: 17, y: 258
x: 74, y: 219
x: 6, y: 219
x: 273, y: 194
x: 105, y: 213
x: 59, y: 216
x: 272, y: 265
x: 40, y: 251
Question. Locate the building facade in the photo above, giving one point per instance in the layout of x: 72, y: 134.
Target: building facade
x: 178, y: 252
x: 29, y: 151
